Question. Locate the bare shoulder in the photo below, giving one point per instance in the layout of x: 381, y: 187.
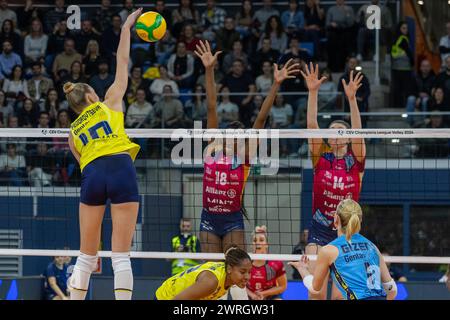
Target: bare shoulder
x: 329, y: 252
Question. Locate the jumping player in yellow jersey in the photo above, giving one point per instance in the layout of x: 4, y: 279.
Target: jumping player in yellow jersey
x: 105, y: 154
x: 208, y: 281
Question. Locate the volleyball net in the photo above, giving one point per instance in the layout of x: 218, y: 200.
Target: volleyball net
x: 405, y: 194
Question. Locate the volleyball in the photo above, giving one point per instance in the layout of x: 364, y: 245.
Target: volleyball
x: 151, y: 26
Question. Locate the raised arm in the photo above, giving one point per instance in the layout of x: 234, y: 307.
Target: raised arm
x: 358, y: 145
x: 311, y: 76
x: 115, y: 93
x: 209, y: 61
x: 287, y: 72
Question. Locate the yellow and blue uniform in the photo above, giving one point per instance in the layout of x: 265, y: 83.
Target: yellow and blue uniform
x: 356, y: 270
x: 180, y: 282
x: 106, y: 156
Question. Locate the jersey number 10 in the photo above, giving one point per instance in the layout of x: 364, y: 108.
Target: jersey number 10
x: 93, y: 131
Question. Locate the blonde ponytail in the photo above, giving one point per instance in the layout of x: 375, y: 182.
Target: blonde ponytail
x: 350, y: 214
x: 76, y: 95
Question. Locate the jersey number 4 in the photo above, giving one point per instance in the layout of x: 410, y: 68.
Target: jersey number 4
x: 93, y: 131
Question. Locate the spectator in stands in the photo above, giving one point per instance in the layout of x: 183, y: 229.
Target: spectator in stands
x: 293, y: 19
x: 424, y: 82
x: 227, y: 36
x: 444, y: 46
x: 254, y: 108
x: 196, y: 107
x: 37, y: 87
x: 110, y: 38
x: 186, y: 241
x: 54, y: 16
x: 8, y: 60
x: 181, y: 67
x: 64, y: 160
x: 140, y: 114
x: 64, y: 60
x: 28, y: 114
x: 212, y: 19
x: 136, y: 81
x: 160, y: 7
x: 91, y: 59
x: 26, y: 14
x: 366, y: 36
x: 164, y: 48
x: 159, y: 83
x: 263, y: 14
x: 185, y: 13
x: 227, y: 111
x: 169, y: 111
x: 274, y: 31
x: 55, y: 285
x: 341, y: 39
x: 188, y: 38
x: 57, y: 41
x: 15, y: 87
x: 102, y: 80
x: 13, y: 122
x: 40, y: 166
x: 9, y: 33
x: 314, y: 23
x: 35, y: 43
x: 396, y: 272
x: 86, y: 34
x: 443, y: 81
x: 298, y: 102
x: 327, y: 92
x: 52, y: 105
x: 402, y: 66
x: 75, y: 75
x: 239, y: 81
x: 103, y: 17
x: 433, y: 147
x: 44, y: 120
x: 437, y: 102
x: 296, y: 52
x: 128, y: 8
x: 264, y: 81
x: 363, y: 93
x: 6, y: 110
x: 235, y: 54
x: 282, y: 115
x: 266, y: 53
x: 244, y: 19
x: 12, y: 166
x: 7, y: 14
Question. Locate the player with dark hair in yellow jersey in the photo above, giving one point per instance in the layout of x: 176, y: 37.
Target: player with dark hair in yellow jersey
x: 208, y: 281
x: 98, y: 141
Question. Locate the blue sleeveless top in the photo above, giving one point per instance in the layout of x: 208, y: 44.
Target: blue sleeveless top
x: 356, y: 271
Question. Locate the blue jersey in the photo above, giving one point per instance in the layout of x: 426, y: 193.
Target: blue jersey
x: 356, y: 270
x: 61, y: 276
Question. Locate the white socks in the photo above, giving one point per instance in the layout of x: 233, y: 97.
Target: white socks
x: 123, y: 275
x: 79, y: 280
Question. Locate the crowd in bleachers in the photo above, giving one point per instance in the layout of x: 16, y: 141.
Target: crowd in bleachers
x: 166, y: 84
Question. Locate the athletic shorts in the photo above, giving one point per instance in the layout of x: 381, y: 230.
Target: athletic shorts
x: 320, y: 234
x: 111, y: 177
x: 221, y: 224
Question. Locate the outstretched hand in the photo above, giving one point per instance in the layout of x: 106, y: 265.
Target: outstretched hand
x: 300, y: 265
x: 205, y: 54
x: 131, y: 19
x: 353, y: 85
x: 311, y: 76
x: 287, y: 72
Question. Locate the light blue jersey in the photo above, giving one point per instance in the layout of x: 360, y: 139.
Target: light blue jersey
x: 356, y: 271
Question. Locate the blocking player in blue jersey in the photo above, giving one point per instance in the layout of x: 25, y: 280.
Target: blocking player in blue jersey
x: 356, y: 265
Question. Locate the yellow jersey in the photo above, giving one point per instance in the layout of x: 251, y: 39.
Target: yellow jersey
x: 99, y: 131
x: 178, y: 283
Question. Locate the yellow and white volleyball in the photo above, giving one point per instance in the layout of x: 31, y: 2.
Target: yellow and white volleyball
x: 151, y: 26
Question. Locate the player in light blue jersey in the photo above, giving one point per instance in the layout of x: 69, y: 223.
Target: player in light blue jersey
x: 356, y: 265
